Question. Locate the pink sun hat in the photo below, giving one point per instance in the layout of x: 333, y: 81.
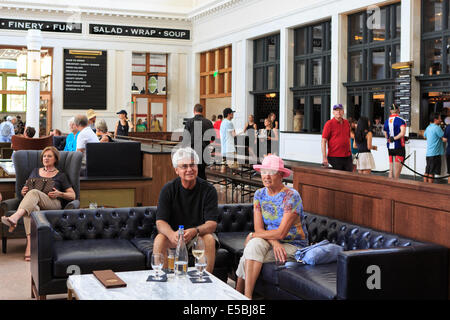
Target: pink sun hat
x: 273, y: 162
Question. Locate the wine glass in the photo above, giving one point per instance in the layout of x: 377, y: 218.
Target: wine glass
x: 157, y: 264
x: 200, y: 265
x: 198, y: 250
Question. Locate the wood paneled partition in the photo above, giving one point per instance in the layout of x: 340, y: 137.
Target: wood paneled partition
x: 409, y: 208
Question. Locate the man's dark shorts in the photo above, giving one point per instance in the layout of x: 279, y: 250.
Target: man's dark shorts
x: 433, y: 165
x: 397, y: 154
x: 448, y: 163
x: 341, y: 163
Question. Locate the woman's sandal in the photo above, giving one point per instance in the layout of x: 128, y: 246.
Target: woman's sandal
x: 7, y: 221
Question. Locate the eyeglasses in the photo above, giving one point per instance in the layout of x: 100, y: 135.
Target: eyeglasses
x: 268, y: 172
x: 187, y: 166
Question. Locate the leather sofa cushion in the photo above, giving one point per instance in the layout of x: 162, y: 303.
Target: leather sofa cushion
x: 90, y: 255
x: 233, y: 241
x: 145, y: 245
x: 310, y: 282
x: 269, y: 274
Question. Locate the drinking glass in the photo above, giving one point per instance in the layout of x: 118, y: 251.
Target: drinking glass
x: 171, y: 259
x: 157, y: 264
x: 198, y: 250
x: 200, y: 265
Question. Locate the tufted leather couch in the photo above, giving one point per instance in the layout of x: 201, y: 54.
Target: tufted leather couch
x: 122, y: 240
x: 63, y: 241
x: 408, y: 269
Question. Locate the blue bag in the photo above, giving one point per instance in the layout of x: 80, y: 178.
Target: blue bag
x: 319, y: 253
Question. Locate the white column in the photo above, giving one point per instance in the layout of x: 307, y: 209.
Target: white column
x: 339, y: 60
x: 410, y: 51
x: 242, y: 82
x: 34, y: 42
x: 286, y: 79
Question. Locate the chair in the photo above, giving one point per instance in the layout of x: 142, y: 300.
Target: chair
x: 22, y: 143
x: 59, y: 142
x: 24, y: 162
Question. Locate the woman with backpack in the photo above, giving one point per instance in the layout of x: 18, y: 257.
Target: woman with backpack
x: 363, y: 142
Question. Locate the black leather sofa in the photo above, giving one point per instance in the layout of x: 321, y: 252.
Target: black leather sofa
x: 122, y: 240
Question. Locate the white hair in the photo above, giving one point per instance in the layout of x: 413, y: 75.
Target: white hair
x: 182, y: 154
x: 71, y: 120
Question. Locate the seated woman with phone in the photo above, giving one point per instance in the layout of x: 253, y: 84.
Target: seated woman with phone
x: 43, y: 190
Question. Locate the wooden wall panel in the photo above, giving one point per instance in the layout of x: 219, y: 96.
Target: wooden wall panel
x: 422, y: 223
x: 410, y: 208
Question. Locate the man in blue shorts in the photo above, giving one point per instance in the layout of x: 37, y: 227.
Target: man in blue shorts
x: 394, y: 131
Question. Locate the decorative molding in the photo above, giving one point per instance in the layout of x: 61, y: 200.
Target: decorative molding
x: 209, y: 9
x: 213, y: 8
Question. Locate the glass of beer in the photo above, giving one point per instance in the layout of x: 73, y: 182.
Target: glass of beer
x: 171, y: 259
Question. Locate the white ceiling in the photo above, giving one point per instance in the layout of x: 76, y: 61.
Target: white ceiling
x: 150, y: 6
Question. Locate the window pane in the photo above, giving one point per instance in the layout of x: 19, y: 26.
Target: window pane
x: 317, y: 39
x: 271, y: 49
x: 259, y: 78
x: 433, y: 11
x: 299, y: 112
x: 356, y: 71
x: 272, y: 77
x: 448, y: 55
x: 398, y: 19
x: 8, y: 64
x: 15, y: 83
x: 301, y: 73
x: 259, y: 54
x: 15, y: 103
x: 433, y: 57
x: 379, y: 30
x: 378, y: 64
x: 378, y: 101
x: 316, y: 116
x: 317, y: 71
x: 138, y: 61
x: 356, y: 28
x: 158, y: 63
x: 300, y: 45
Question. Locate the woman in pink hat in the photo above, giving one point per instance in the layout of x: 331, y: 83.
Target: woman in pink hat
x: 277, y: 218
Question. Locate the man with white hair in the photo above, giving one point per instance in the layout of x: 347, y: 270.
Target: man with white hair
x: 7, y: 129
x: 188, y: 201
x: 71, y: 140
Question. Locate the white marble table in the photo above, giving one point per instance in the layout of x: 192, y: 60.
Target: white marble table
x: 87, y: 287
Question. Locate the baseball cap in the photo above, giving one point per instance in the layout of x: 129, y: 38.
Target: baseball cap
x: 227, y: 111
x: 122, y: 112
x: 338, y: 106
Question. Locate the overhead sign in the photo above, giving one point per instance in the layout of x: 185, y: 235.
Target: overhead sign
x: 84, y: 79
x: 145, y: 32
x: 48, y: 26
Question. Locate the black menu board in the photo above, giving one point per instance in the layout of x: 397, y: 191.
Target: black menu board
x: 402, y: 93
x: 84, y: 79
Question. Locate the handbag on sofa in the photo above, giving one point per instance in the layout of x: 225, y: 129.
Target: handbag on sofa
x: 41, y: 184
x: 319, y: 253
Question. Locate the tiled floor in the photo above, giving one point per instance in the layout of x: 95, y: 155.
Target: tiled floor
x: 15, y: 282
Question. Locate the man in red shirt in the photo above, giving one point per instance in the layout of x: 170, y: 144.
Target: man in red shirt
x: 336, y: 134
